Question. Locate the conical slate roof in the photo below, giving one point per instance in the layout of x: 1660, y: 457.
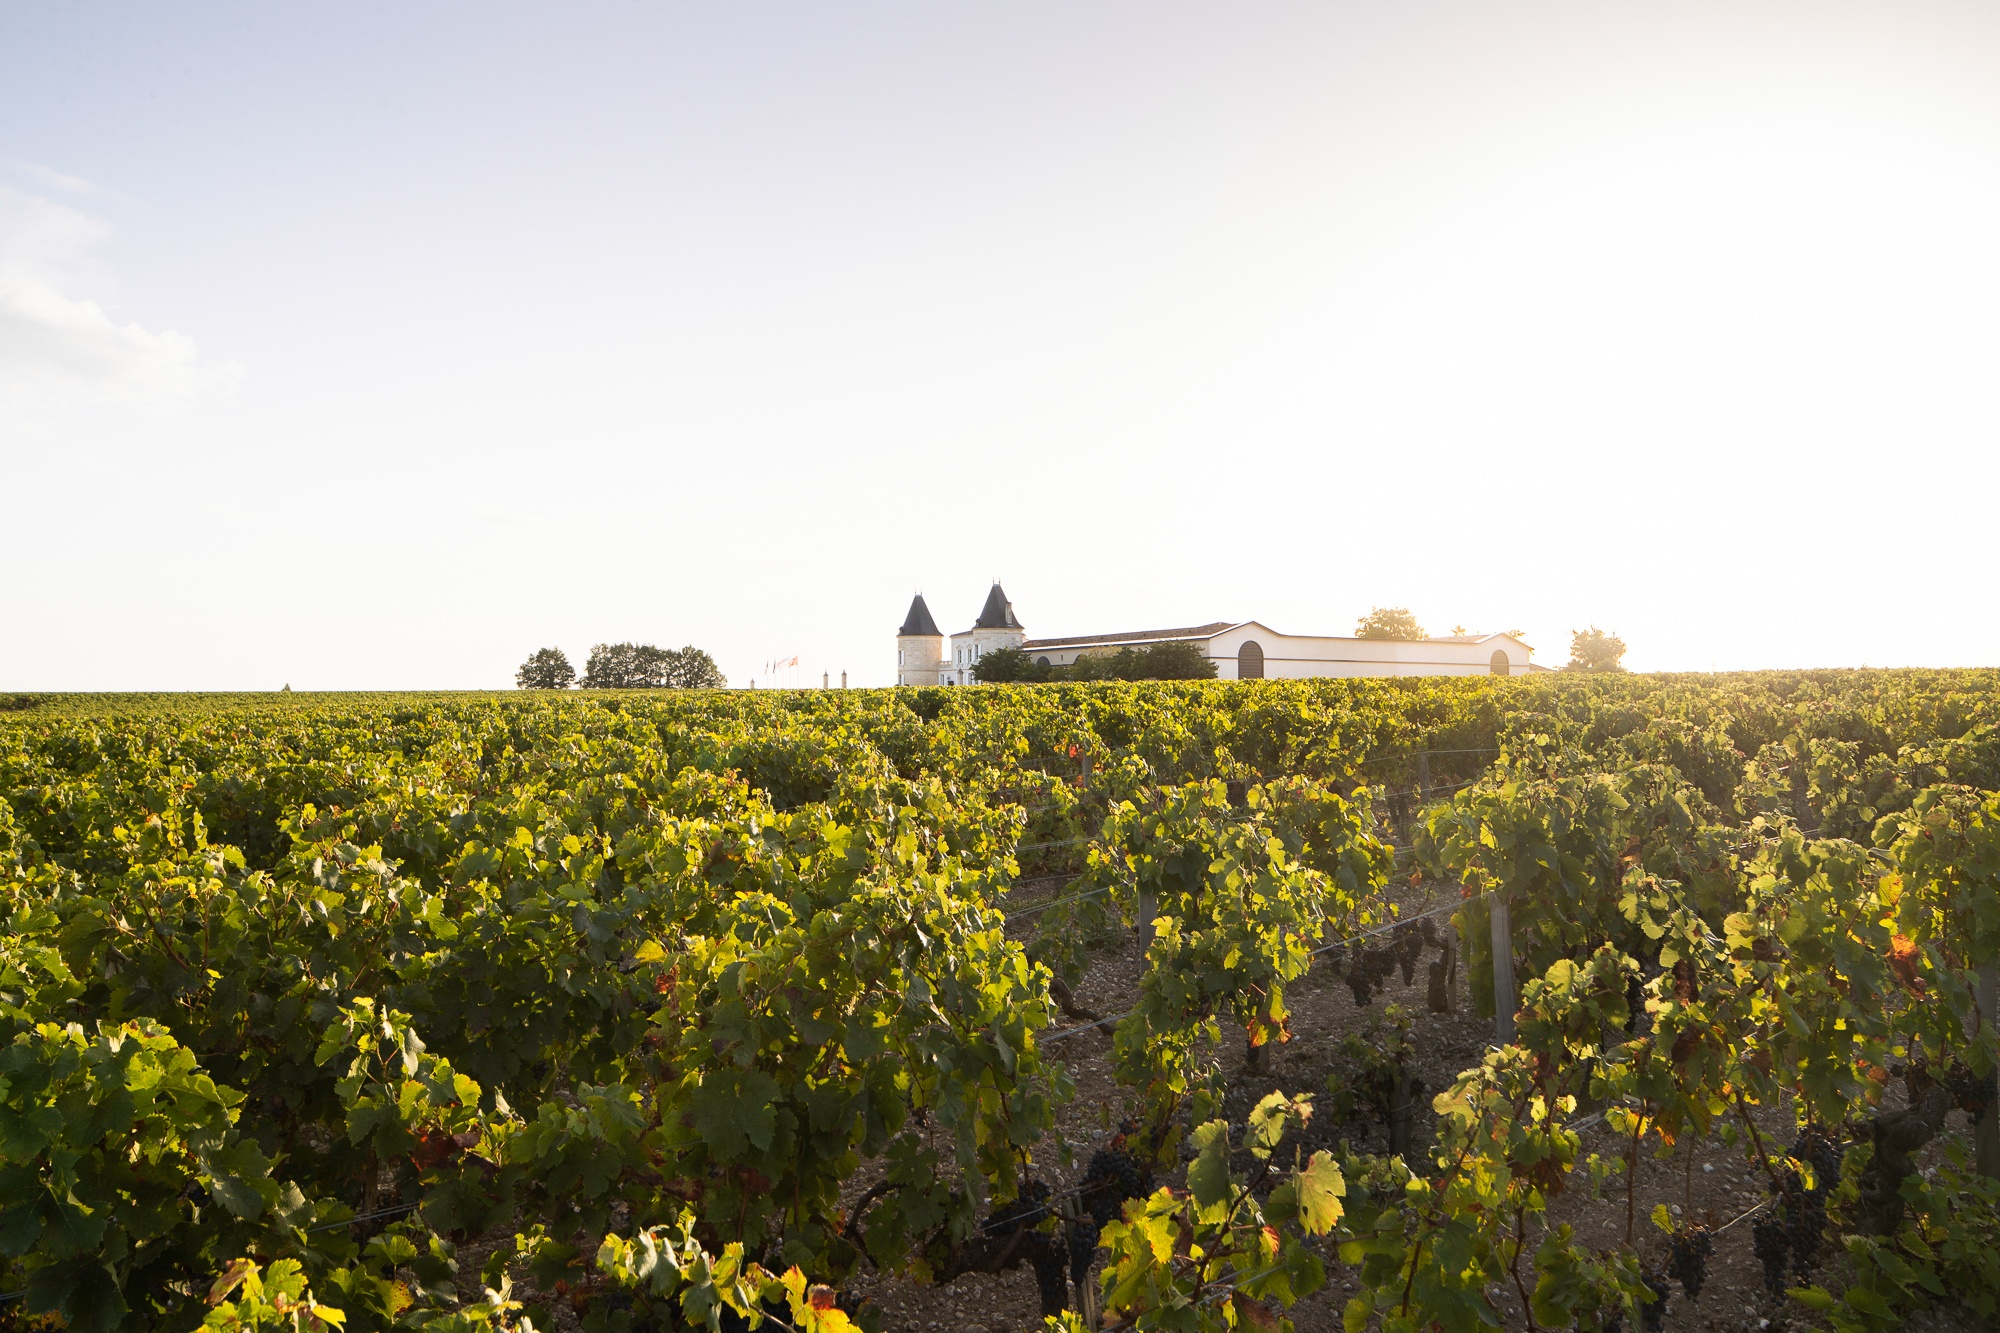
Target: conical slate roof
x: 919, y: 621
x: 998, y: 613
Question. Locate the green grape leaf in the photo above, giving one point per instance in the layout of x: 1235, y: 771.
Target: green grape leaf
x: 1208, y: 1177
x: 1320, y: 1187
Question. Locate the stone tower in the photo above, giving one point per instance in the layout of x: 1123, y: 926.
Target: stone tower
x: 997, y: 627
x: 919, y: 647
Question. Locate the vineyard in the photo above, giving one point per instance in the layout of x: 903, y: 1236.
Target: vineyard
x: 1403, y: 1005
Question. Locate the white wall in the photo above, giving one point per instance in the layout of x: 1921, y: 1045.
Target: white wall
x: 1299, y: 657
x: 969, y: 645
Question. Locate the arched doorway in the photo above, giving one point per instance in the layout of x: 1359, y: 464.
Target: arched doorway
x: 1500, y: 666
x: 1250, y: 661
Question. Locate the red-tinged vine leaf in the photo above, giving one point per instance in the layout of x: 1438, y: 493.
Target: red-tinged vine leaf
x: 1903, y: 959
x: 1256, y: 1314
x: 229, y: 1280
x: 820, y: 1297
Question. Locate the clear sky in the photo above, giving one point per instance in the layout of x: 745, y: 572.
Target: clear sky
x: 379, y: 345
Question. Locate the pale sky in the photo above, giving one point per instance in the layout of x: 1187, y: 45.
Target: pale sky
x: 376, y: 346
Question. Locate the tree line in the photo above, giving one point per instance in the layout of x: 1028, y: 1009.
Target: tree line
x: 624, y: 666
x: 1590, y: 649
x: 1161, y: 661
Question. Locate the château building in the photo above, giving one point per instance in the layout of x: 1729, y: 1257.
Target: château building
x: 1241, y: 649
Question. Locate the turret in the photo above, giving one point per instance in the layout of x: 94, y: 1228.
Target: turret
x: 919, y: 647
x: 997, y: 627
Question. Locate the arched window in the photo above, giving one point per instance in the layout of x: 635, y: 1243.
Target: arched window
x: 1041, y: 661
x: 1250, y: 661
x: 1500, y: 666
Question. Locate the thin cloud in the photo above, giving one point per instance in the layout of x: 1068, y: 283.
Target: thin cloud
x: 52, y: 339
x: 51, y: 177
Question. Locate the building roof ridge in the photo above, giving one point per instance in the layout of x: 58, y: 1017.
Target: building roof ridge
x: 1207, y: 631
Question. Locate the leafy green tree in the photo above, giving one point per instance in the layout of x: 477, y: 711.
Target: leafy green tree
x: 1166, y: 661
x: 692, y: 669
x: 548, y: 669
x: 641, y: 666
x: 1009, y: 664
x: 625, y: 666
x: 1160, y: 661
x: 1389, y: 622
x: 1594, y: 649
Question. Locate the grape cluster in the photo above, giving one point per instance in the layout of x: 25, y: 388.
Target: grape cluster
x: 1368, y: 969
x: 1082, y: 1249
x: 1823, y: 1151
x: 1653, y: 1314
x: 1048, y: 1254
x: 1051, y: 1259
x: 1028, y: 1208
x: 1805, y: 1221
x: 1112, y: 1176
x: 1768, y: 1237
x: 1688, y: 1264
x: 1408, y: 949
x: 1804, y: 1210
x: 1973, y: 1092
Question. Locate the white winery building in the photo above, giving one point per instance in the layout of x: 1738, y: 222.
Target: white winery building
x: 1241, y: 650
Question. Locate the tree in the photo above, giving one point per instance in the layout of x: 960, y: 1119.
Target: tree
x: 1161, y: 661
x: 624, y: 666
x: 548, y: 669
x: 693, y: 669
x: 641, y: 666
x: 1594, y: 649
x: 1009, y: 664
x: 1173, y: 661
x: 1389, y: 622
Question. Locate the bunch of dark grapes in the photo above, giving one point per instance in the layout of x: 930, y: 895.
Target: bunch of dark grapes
x: 1049, y: 1254
x: 1768, y: 1237
x: 1112, y: 1176
x: 1973, y: 1092
x: 1823, y: 1151
x: 1688, y: 1264
x: 1051, y: 1259
x: 1408, y: 949
x: 1030, y: 1207
x: 1082, y: 1249
x: 1368, y: 969
x: 1653, y: 1314
x: 1805, y: 1220
x: 1797, y: 1221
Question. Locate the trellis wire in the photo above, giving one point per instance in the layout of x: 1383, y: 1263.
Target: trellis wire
x: 1370, y: 933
